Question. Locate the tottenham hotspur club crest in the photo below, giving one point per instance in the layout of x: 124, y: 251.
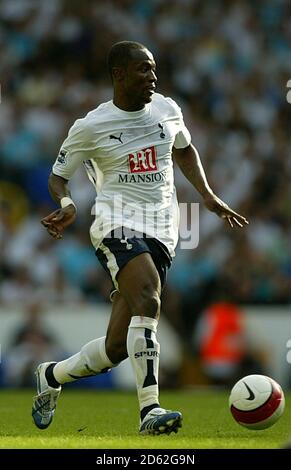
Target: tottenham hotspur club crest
x: 127, y: 244
x: 162, y: 134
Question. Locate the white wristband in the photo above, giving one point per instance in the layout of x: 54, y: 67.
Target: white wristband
x: 66, y: 201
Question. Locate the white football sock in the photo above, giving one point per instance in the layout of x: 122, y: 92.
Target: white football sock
x: 91, y: 360
x: 144, y: 350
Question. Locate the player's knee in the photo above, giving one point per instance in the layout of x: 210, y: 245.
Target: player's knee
x: 147, y: 303
x: 115, y: 350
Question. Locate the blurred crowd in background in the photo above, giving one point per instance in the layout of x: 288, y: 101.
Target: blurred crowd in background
x: 227, y: 64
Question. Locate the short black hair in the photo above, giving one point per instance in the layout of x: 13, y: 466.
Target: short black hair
x: 119, y: 54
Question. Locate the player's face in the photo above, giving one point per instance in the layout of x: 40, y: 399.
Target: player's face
x: 140, y: 77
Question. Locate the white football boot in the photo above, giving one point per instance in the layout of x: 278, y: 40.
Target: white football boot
x: 44, y: 403
x: 160, y: 421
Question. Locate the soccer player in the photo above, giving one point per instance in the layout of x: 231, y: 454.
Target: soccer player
x: 126, y: 146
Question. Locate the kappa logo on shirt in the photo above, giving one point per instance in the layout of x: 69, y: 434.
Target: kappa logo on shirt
x: 143, y: 160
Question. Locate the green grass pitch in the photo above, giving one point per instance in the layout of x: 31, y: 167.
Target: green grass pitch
x: 109, y: 420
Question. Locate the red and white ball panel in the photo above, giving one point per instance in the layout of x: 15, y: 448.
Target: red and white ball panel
x: 256, y: 402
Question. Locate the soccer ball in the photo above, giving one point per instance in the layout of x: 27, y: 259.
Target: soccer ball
x: 256, y: 401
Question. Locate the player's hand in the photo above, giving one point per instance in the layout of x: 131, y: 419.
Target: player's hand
x: 214, y: 204
x: 58, y: 220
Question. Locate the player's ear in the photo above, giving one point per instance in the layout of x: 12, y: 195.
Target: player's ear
x: 118, y: 73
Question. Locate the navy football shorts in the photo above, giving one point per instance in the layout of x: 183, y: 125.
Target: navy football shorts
x: 123, y: 245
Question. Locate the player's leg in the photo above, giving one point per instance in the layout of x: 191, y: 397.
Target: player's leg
x: 116, y: 335
x: 91, y: 360
x: 139, y: 283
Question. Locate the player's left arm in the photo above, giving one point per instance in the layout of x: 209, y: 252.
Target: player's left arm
x: 190, y: 164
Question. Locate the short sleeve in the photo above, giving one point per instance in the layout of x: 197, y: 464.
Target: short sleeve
x: 76, y: 148
x: 183, y: 136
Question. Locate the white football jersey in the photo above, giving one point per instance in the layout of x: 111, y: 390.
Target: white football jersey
x: 128, y: 157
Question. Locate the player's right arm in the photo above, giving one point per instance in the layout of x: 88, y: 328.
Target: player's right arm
x: 58, y: 220
x: 75, y: 149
